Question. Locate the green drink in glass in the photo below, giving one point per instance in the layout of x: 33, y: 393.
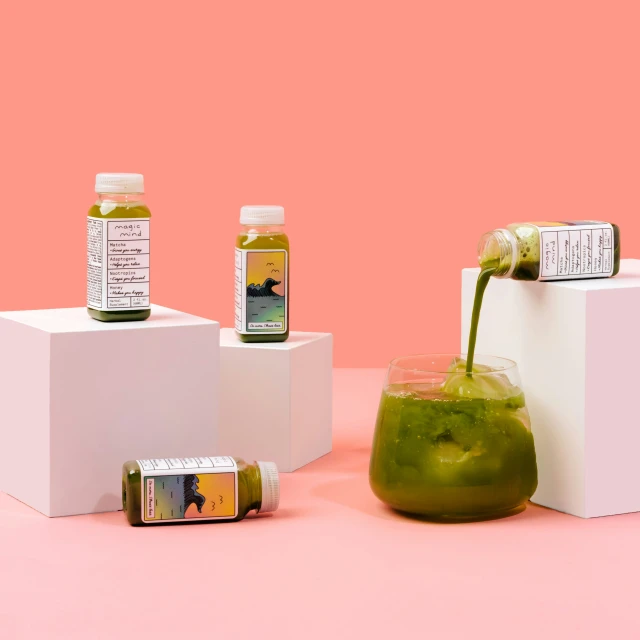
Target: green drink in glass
x: 450, y: 446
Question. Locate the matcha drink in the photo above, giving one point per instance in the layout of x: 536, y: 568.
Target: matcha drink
x: 187, y: 490
x: 118, y: 254
x: 453, y: 447
x: 262, y: 276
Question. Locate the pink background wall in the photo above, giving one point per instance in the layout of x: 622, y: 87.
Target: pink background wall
x: 393, y: 133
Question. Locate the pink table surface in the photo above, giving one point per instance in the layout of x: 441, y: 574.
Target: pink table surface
x: 332, y: 562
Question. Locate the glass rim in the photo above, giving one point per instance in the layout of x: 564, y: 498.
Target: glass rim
x: 505, y: 364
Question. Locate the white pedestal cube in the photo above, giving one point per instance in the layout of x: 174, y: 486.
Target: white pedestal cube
x: 275, y: 398
x: 578, y: 350
x: 79, y: 397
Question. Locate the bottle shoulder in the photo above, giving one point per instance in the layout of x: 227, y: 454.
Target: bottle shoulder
x: 262, y: 242
x: 132, y: 210
x: 524, y: 230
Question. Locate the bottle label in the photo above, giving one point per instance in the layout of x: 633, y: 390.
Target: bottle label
x: 262, y: 294
x: 118, y: 263
x: 189, y: 488
x: 581, y: 249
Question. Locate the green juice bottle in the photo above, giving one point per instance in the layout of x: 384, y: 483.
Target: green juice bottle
x: 118, y: 258
x: 552, y: 250
x: 187, y: 490
x: 262, y: 275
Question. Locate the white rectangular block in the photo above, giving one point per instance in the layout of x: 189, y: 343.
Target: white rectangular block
x: 576, y: 344
x: 275, y: 398
x: 79, y: 397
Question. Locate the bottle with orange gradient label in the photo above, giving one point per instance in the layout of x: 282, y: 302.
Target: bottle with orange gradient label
x: 262, y: 275
x: 220, y: 488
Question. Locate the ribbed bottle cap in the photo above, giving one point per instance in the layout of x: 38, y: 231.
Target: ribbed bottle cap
x: 270, y: 486
x: 119, y: 183
x: 261, y: 214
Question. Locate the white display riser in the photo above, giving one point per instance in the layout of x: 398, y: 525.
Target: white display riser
x: 578, y: 350
x: 275, y: 398
x: 80, y: 397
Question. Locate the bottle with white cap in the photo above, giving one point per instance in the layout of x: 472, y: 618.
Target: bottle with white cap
x: 118, y: 259
x: 262, y: 275
x: 186, y: 490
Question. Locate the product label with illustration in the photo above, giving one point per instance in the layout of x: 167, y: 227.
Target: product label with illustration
x: 118, y: 263
x: 261, y: 291
x: 185, y: 488
x: 582, y: 249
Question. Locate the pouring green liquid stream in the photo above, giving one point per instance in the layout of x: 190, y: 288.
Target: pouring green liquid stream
x: 483, y: 281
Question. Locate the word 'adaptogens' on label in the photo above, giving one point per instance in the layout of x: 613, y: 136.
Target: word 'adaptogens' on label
x: 575, y: 250
x: 186, y: 488
x: 261, y: 291
x: 118, y: 263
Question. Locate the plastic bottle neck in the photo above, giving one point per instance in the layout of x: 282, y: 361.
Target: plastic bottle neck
x: 263, y: 230
x: 498, y: 250
x: 120, y: 198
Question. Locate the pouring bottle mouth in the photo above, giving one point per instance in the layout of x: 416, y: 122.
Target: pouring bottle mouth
x: 498, y: 250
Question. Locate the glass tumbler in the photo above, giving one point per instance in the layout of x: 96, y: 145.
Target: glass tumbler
x: 449, y: 445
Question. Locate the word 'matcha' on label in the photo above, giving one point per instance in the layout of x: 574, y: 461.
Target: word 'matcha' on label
x: 118, y: 263
x: 261, y: 291
x: 576, y: 250
x: 186, y: 488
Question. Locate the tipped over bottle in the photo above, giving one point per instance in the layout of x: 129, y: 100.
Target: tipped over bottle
x: 184, y: 490
x: 552, y: 250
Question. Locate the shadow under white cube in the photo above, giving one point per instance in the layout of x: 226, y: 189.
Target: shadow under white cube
x: 577, y: 348
x: 81, y: 397
x: 275, y: 398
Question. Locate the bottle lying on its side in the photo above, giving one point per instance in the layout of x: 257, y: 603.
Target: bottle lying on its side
x: 183, y: 490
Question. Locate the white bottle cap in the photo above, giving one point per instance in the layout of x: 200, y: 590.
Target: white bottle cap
x: 261, y: 214
x: 119, y: 183
x: 270, y: 486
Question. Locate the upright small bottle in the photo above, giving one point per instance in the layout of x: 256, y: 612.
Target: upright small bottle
x: 552, y: 250
x: 262, y: 275
x: 197, y: 489
x: 118, y: 258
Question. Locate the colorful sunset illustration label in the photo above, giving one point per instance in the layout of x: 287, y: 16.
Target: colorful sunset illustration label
x: 261, y: 291
x: 207, y: 491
